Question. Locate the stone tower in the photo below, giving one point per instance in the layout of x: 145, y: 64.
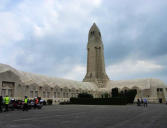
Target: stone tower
x: 95, y: 58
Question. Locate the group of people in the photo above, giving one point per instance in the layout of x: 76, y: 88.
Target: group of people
x: 25, y: 105
x: 142, y: 101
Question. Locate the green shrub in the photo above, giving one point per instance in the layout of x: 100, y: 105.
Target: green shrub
x: 115, y: 92
x: 105, y: 95
x: 49, y: 101
x: 85, y: 95
x: 122, y: 98
x: 131, y: 94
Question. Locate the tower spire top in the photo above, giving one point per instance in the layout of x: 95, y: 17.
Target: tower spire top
x: 94, y: 27
x: 94, y: 33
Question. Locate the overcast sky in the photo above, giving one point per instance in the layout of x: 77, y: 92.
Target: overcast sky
x: 50, y: 36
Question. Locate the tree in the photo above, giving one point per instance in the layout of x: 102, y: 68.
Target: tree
x: 85, y: 95
x: 115, y: 92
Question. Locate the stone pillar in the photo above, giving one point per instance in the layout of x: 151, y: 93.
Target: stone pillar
x: 95, y: 58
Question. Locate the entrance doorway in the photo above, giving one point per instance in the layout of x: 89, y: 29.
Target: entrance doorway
x: 160, y: 100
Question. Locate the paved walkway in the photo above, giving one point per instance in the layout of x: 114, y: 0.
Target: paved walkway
x: 88, y: 116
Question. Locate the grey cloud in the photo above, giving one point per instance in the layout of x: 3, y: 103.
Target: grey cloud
x: 150, y: 41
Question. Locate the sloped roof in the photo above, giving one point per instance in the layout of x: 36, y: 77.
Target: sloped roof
x: 139, y: 83
x: 41, y: 80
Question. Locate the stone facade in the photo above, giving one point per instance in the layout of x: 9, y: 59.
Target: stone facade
x: 18, y: 84
x: 95, y: 58
x: 152, y: 89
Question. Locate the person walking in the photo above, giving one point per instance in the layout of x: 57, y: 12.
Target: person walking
x: 6, y: 101
x: 141, y: 101
x: 145, y: 102
x: 1, y: 103
x: 25, y: 107
x: 138, y: 102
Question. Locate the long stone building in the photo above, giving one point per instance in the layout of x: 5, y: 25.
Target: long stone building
x: 18, y: 84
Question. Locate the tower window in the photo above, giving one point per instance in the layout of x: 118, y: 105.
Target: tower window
x: 99, y: 34
x: 92, y: 33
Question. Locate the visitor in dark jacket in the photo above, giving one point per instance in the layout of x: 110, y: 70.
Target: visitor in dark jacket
x: 1, y: 103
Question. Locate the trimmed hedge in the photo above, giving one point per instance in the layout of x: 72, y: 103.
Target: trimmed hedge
x: 129, y: 94
x: 117, y: 98
x: 99, y: 101
x: 105, y: 95
x: 85, y: 95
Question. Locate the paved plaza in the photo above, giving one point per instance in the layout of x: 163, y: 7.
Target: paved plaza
x: 88, y: 116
